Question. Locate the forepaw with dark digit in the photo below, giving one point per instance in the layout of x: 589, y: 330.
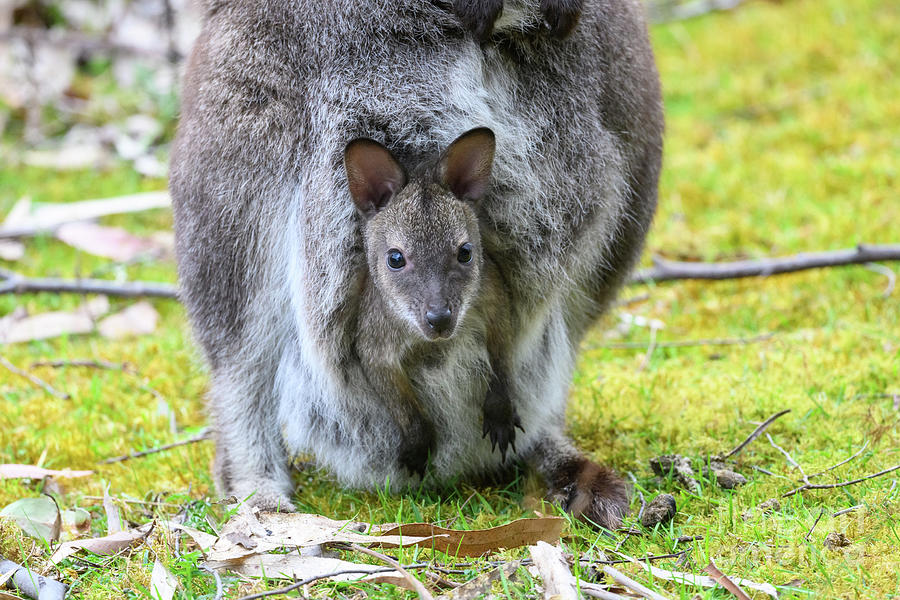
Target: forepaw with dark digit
x: 478, y: 16
x: 561, y: 16
x: 500, y: 423
x: 265, y: 496
x: 417, y: 447
x: 595, y: 494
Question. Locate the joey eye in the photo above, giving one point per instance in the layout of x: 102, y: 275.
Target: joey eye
x: 395, y: 260
x: 464, y: 254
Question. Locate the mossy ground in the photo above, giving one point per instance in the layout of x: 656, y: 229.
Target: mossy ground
x: 783, y: 136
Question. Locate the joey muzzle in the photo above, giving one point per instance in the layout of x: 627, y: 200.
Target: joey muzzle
x: 439, y: 321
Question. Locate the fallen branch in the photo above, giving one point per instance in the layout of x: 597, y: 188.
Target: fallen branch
x: 36, y: 381
x: 32, y: 584
x: 843, y: 462
x: 790, y: 460
x: 756, y: 433
x: 830, y: 486
x: 630, y: 583
x: 723, y: 580
x: 203, y: 435
x: 87, y: 362
x: 813, y: 528
x: 13, y: 283
x: 417, y: 585
x: 702, y: 580
x: 667, y: 270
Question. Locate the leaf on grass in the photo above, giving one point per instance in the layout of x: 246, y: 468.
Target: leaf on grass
x: 15, y: 471
x: 558, y: 580
x: 109, y: 242
x: 11, y: 250
x: 481, y: 585
x: 703, y: 581
x: 106, y: 545
x: 29, y: 218
x: 723, y: 580
x: 113, y: 520
x: 137, y: 319
x: 477, y: 542
x: 37, y: 517
x: 293, y: 566
x: 53, y: 324
x: 271, y: 531
x: 75, y: 522
x: 162, y: 582
x: 204, y: 540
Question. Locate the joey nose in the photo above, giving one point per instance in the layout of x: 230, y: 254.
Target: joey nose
x: 439, y: 318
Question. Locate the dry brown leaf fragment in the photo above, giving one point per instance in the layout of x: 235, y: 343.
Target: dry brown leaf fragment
x: 296, y: 566
x: 108, y: 242
x: 162, y: 582
x: 477, y: 542
x: 138, y: 319
x: 723, y: 580
x: 17, y: 471
x: 482, y: 584
x: 53, y: 324
x: 106, y: 545
x: 201, y: 538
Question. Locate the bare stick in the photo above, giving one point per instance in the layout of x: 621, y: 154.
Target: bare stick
x: 756, y: 433
x: 299, y: 584
x: 219, y: 591
x: 417, y: 585
x: 82, y: 362
x: 790, y: 459
x: 203, y: 435
x: 811, y: 529
x: 32, y: 584
x: 667, y: 270
x: 13, y: 283
x: 843, y: 462
x: 889, y: 273
x: 631, y: 584
x: 686, y: 343
x: 830, y: 486
x: 38, y: 382
x: 847, y: 510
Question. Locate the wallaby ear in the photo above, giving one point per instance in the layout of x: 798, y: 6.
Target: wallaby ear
x: 465, y: 167
x: 373, y: 174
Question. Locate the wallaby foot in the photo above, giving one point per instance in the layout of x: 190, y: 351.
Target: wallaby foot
x: 478, y: 15
x: 500, y: 419
x: 417, y: 446
x: 561, y: 16
x: 586, y: 490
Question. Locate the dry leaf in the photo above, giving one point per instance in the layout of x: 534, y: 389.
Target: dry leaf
x: 28, y: 219
x: 11, y: 250
x: 106, y: 545
x: 109, y: 242
x: 477, y: 542
x: 15, y: 471
x: 271, y: 531
x: 481, y: 585
x: 53, y: 324
x: 701, y: 580
x: 68, y: 157
x: 559, y: 583
x: 204, y: 540
x: 37, y: 517
x: 162, y: 582
x: 293, y: 566
x: 113, y: 520
x: 137, y: 319
x: 725, y: 582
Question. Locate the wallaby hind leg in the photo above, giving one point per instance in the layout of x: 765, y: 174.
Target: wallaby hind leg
x: 586, y: 490
x: 251, y: 462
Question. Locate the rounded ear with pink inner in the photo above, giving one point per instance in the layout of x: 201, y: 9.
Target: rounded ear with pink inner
x: 373, y: 175
x: 465, y: 166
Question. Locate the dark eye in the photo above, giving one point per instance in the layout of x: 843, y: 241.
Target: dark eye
x: 464, y: 254
x: 395, y: 260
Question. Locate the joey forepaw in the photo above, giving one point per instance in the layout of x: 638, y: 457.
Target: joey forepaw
x: 561, y: 16
x: 500, y: 422
x: 417, y: 447
x: 478, y: 16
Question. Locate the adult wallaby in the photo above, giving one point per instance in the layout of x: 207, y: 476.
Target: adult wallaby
x: 272, y: 256
x: 427, y: 277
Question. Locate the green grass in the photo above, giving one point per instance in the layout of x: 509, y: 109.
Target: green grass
x: 783, y: 136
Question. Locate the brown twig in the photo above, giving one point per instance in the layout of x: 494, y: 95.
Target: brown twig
x: 843, y: 462
x: 203, y: 435
x: 85, y: 362
x: 790, y: 459
x: 847, y: 510
x: 811, y: 529
x: 723, y: 580
x: 667, y: 270
x: 417, y: 585
x: 13, y: 283
x: 830, y: 486
x: 36, y: 381
x: 685, y: 343
x: 755, y: 434
x: 631, y: 584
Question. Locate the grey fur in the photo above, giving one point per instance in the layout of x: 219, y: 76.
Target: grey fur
x: 270, y: 250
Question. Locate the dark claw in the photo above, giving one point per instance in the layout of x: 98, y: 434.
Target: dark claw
x: 561, y: 16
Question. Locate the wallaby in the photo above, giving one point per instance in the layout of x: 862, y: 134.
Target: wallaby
x: 428, y: 277
x: 272, y: 254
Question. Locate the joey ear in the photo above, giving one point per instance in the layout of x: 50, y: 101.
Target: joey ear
x: 373, y: 175
x: 465, y: 167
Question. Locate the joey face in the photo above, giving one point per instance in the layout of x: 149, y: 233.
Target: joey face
x: 421, y: 236
x: 424, y: 255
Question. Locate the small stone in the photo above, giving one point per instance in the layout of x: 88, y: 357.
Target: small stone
x: 836, y: 540
x: 763, y: 508
x: 679, y: 466
x: 728, y: 479
x: 660, y: 510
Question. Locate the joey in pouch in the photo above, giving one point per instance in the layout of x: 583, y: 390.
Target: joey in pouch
x: 396, y: 221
